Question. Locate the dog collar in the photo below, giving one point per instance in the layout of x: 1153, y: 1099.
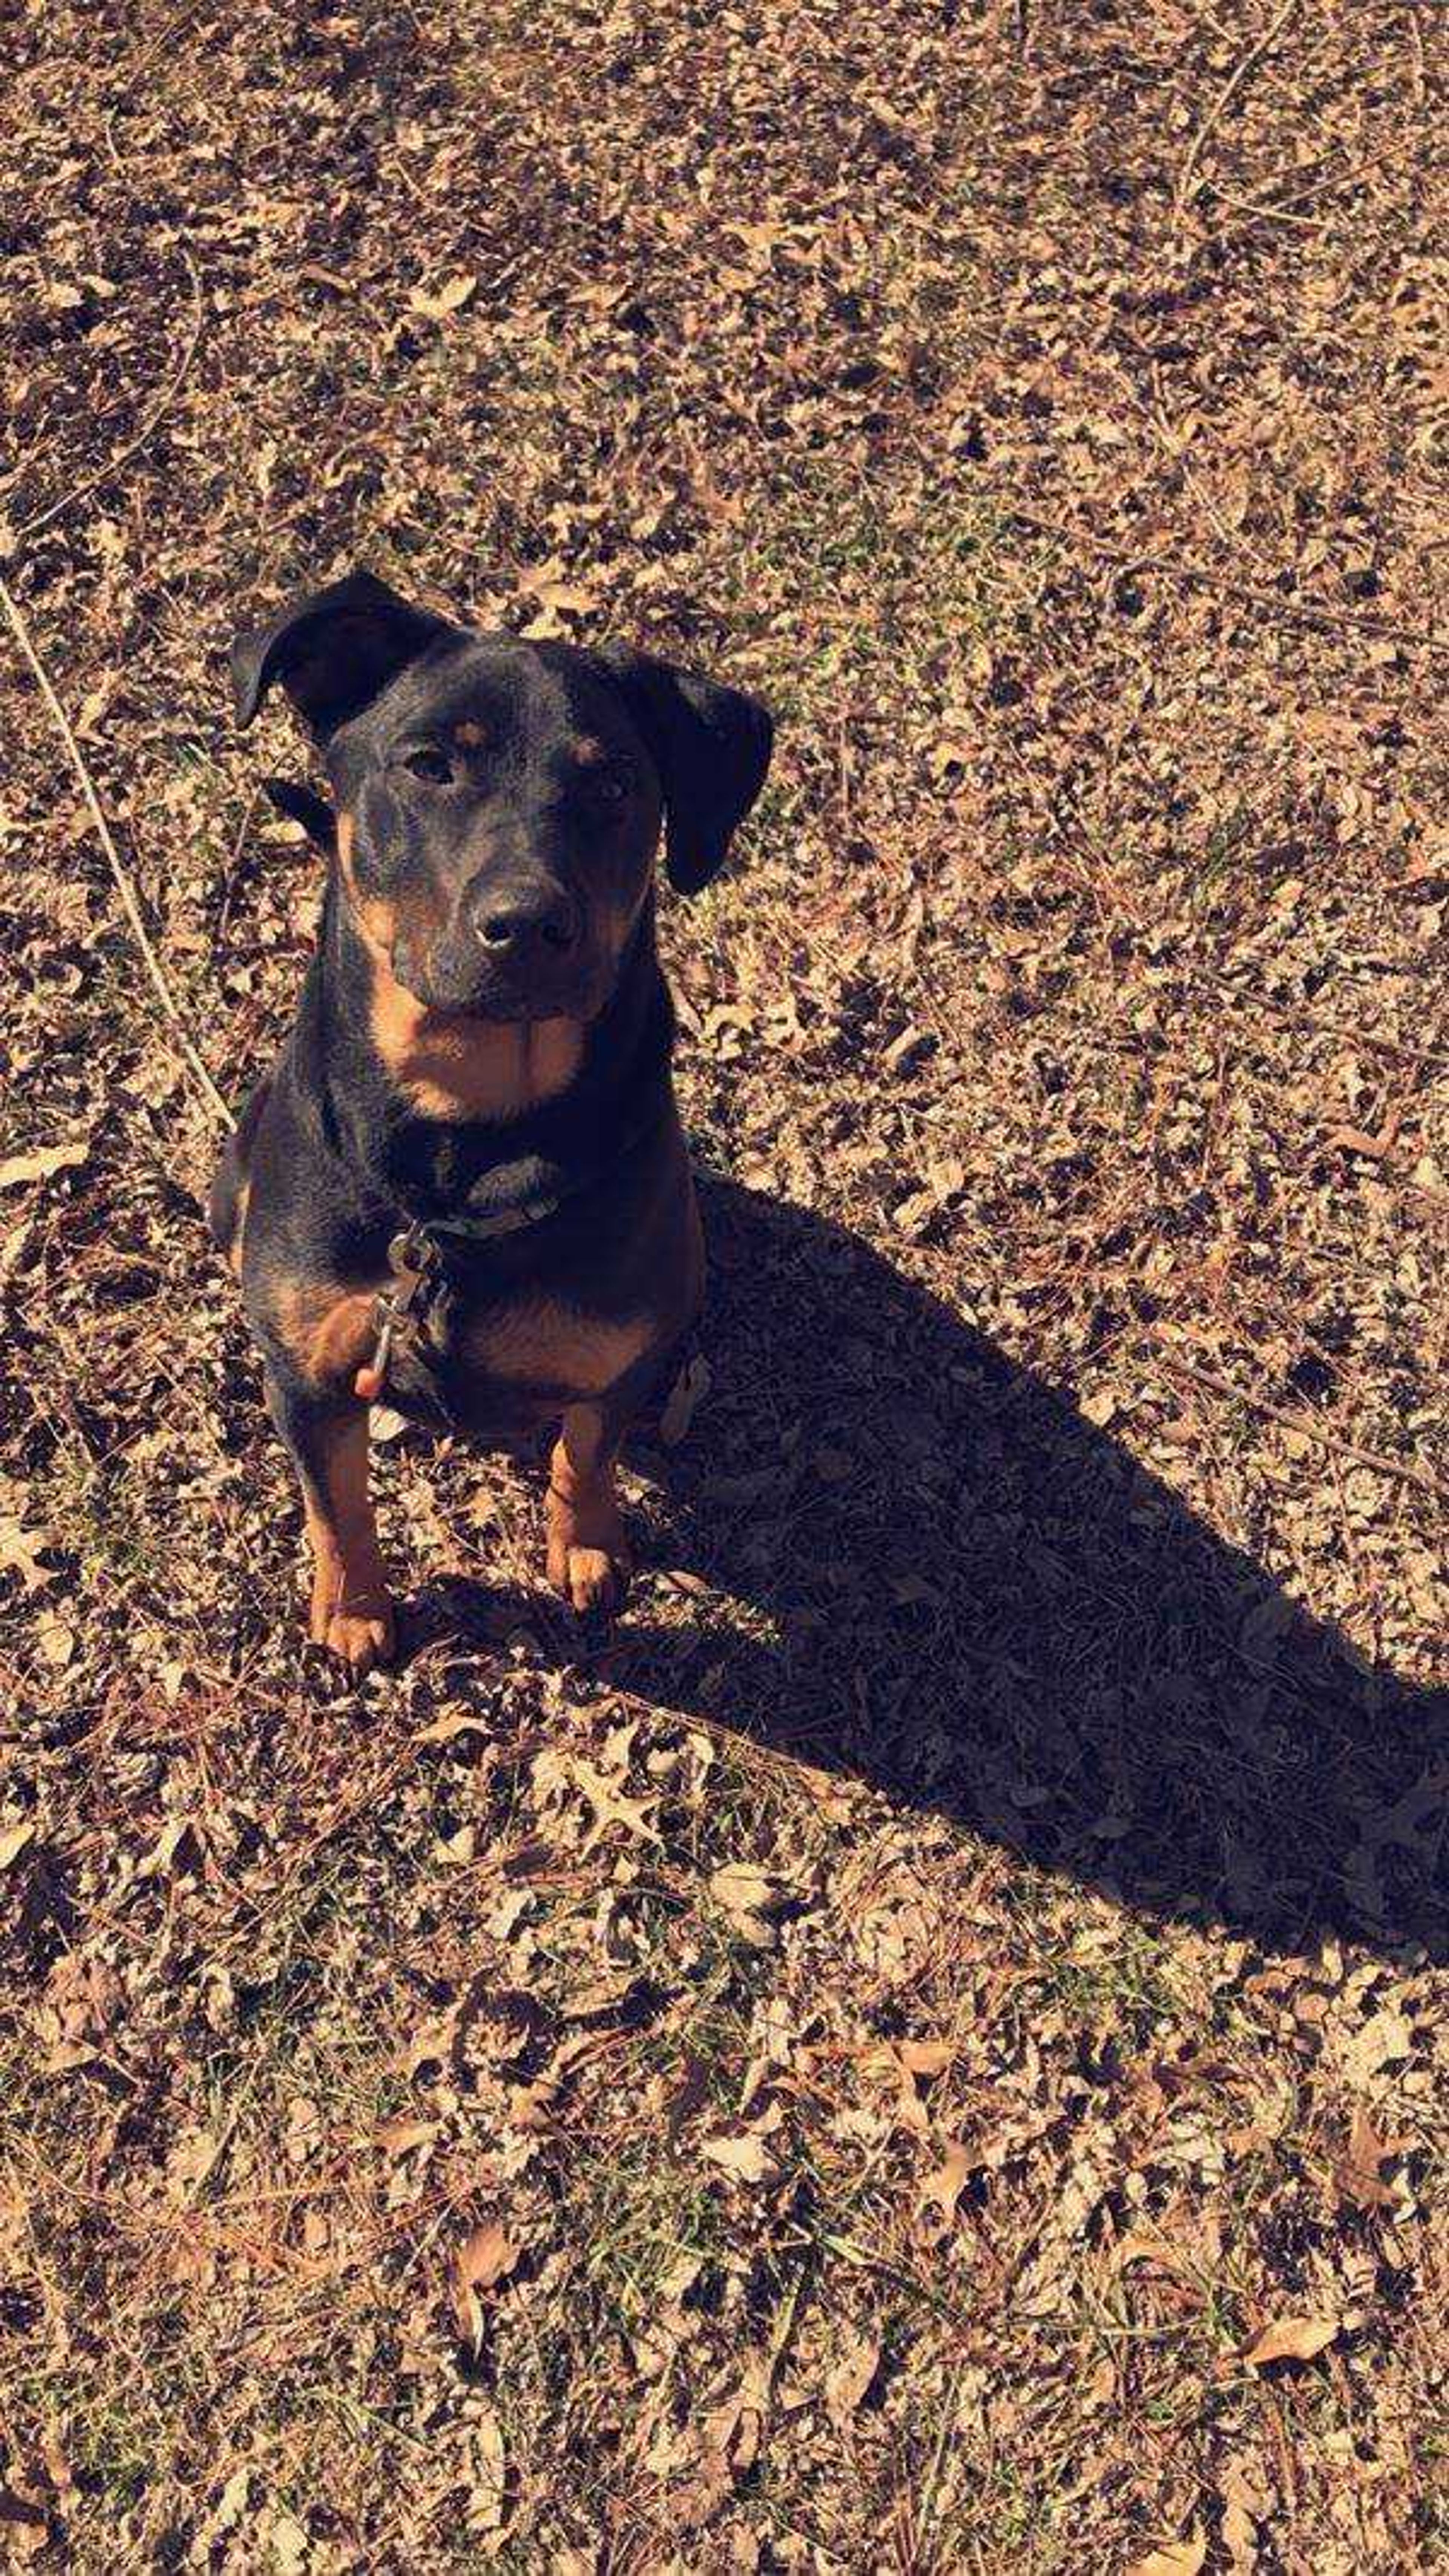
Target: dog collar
x: 425, y: 1251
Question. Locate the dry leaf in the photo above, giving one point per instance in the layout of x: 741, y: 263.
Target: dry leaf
x: 747, y: 2158
x: 57, y: 2461
x: 192, y: 2158
x: 1265, y: 1626
x: 1247, y: 2501
x: 908, y: 1049
x: 487, y: 2257
x: 607, y: 1999
x: 450, y: 297
x: 942, y: 2189
x: 14, y: 1840
x: 850, y: 2381
x: 290, y: 2547
x: 303, y: 2131
x: 24, y: 2527
x: 1174, y: 2558
x: 399, y: 2137
x: 433, y: 2045
x: 42, y: 1166
x: 57, y: 1642
x: 753, y: 1900
x: 1384, y: 2039
x: 487, y: 2493
x: 1358, y: 2174
x: 926, y: 2057
x: 481, y: 2262
x: 685, y: 1398
x: 166, y: 1848
x: 456, y: 1851
x: 556, y: 588
x: 611, y: 1807
x: 1291, y: 2339
x: 453, y: 1721
x: 1239, y: 2535
x: 18, y: 1554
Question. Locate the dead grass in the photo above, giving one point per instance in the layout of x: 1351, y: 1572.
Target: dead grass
x: 962, y: 1960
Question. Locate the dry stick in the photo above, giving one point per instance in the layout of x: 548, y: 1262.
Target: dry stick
x: 172, y: 26
x: 1381, y: 1141
x: 124, y: 886
x: 1283, y: 206
x: 151, y: 423
x: 1327, y: 620
x: 1263, y: 214
x: 1248, y: 997
x: 42, y: 519
x: 1214, y: 117
x: 1417, y: 35
x: 1399, y: 1468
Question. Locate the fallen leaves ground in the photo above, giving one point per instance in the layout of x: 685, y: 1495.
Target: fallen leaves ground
x: 924, y: 2049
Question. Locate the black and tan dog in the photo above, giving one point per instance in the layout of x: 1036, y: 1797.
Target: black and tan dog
x: 465, y: 1186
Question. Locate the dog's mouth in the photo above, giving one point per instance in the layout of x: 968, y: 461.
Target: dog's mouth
x: 459, y: 977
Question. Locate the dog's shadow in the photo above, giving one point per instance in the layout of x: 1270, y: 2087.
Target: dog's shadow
x: 927, y: 1569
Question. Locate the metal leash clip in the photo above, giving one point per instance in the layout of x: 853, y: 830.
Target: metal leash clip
x: 413, y: 1259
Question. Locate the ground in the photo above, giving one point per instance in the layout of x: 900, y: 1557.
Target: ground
x: 924, y: 2048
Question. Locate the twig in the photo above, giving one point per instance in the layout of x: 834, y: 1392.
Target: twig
x: 1247, y: 996
x: 153, y: 420
x: 1265, y: 214
x: 172, y: 27
x: 1380, y: 1141
x: 1326, y: 619
x: 1301, y: 196
x: 1417, y: 37
x: 1281, y: 209
x: 1182, y: 194
x: 1399, y: 1468
x: 124, y: 886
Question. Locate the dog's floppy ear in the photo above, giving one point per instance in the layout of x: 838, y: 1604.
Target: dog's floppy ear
x: 302, y: 805
x: 333, y: 650
x: 711, y: 746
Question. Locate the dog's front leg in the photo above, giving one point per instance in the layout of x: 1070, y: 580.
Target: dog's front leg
x: 327, y: 1436
x: 588, y: 1551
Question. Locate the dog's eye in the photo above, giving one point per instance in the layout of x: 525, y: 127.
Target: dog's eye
x: 428, y: 760
x: 611, y: 786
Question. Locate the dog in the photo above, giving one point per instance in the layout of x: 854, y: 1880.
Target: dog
x: 464, y: 1187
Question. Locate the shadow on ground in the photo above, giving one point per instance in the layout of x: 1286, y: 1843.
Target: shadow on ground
x: 943, y: 1580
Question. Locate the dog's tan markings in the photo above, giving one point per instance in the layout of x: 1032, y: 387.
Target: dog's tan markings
x: 376, y: 921
x: 588, y: 751
x: 588, y: 1548
x: 329, y: 1331
x: 452, y: 1065
x: 470, y: 735
x: 351, y: 1611
x: 421, y: 912
x: 551, y: 1345
x: 238, y: 1228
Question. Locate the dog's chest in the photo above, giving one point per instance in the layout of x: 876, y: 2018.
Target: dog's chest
x: 498, y: 1368
x: 547, y: 1343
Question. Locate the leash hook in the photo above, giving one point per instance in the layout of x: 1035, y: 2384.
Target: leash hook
x: 412, y: 1257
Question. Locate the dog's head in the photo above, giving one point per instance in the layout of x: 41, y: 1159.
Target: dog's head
x: 499, y: 803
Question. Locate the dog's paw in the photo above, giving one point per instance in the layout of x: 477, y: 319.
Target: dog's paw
x: 592, y: 1578
x: 362, y: 1634
x: 588, y: 1548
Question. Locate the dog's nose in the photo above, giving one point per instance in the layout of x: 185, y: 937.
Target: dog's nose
x: 514, y: 921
